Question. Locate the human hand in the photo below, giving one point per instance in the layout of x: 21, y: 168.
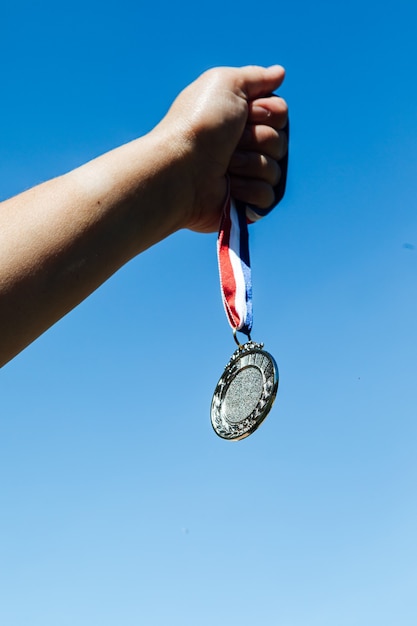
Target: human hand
x: 227, y: 123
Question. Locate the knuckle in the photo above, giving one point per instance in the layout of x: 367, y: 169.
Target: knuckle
x: 265, y: 196
x: 275, y: 173
x: 283, y: 107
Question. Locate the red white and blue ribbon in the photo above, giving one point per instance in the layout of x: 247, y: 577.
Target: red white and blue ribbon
x: 234, y: 266
x: 233, y: 254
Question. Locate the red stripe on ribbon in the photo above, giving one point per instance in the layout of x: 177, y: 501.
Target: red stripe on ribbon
x: 227, y: 278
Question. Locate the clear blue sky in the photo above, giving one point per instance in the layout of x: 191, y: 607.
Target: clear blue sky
x: 118, y: 504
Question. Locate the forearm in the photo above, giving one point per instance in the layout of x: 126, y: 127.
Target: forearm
x: 61, y: 240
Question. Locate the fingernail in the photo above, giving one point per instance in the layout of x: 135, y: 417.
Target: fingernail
x: 260, y: 113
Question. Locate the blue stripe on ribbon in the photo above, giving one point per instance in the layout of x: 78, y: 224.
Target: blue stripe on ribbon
x: 245, y: 264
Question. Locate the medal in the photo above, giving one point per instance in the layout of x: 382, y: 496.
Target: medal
x: 245, y: 392
x: 248, y: 386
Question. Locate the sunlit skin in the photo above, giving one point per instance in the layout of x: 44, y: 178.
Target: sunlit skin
x: 60, y: 240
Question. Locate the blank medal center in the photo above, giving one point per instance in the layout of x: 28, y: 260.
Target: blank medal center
x: 243, y: 394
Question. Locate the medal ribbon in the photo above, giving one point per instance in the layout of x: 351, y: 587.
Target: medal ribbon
x: 234, y: 266
x: 233, y: 255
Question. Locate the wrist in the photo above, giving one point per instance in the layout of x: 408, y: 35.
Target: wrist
x: 174, y: 150
x: 140, y: 191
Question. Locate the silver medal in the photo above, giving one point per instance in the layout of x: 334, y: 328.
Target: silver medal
x: 245, y: 392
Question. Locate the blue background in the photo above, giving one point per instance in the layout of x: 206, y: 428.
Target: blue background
x: 118, y: 504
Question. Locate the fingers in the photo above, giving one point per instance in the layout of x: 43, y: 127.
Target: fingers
x: 255, y: 166
x: 272, y: 111
x: 253, y: 178
x: 264, y: 140
x: 251, y: 191
x: 267, y: 117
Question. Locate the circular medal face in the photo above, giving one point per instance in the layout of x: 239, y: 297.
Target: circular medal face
x: 245, y: 393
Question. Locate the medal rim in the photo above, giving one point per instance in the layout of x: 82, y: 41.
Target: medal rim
x: 248, y: 348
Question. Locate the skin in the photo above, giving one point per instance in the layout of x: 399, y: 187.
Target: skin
x: 61, y: 240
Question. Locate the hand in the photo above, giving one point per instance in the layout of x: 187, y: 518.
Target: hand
x: 230, y: 125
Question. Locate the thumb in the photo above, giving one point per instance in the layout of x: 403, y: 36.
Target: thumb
x: 255, y: 81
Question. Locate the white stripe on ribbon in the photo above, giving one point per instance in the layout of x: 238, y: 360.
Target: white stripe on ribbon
x: 234, y: 256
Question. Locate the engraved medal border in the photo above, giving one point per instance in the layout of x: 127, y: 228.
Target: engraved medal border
x: 246, y: 426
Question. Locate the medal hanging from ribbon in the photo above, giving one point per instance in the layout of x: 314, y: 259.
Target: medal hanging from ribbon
x: 247, y: 389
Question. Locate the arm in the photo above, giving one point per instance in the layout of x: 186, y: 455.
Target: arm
x: 64, y: 238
